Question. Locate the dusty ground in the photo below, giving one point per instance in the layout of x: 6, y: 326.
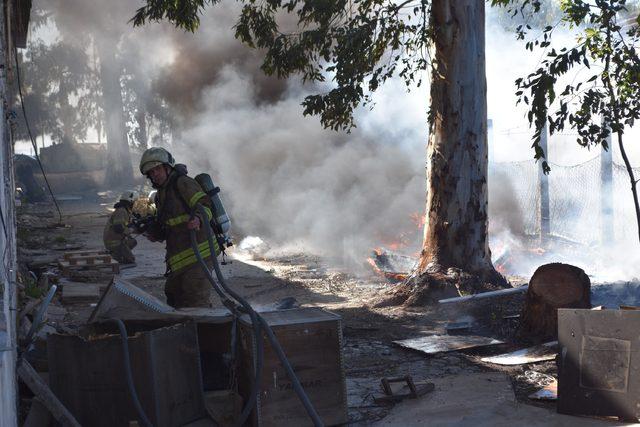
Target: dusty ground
x: 369, y: 353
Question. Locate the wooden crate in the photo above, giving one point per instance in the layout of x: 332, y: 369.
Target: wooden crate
x: 89, y: 379
x: 312, y: 340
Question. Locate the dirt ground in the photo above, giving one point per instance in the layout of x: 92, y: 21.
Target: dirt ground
x: 369, y: 353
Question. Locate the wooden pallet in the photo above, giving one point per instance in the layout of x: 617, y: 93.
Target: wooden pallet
x: 89, y: 259
x: 111, y: 265
x: 88, y: 252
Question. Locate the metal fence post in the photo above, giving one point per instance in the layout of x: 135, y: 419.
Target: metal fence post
x: 606, y: 191
x: 543, y: 187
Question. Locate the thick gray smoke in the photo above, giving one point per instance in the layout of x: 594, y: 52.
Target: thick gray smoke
x: 291, y: 181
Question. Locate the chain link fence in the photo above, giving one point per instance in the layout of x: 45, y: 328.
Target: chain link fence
x: 575, y: 198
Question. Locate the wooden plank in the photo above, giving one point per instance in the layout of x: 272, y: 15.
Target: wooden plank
x: 79, y: 293
x: 89, y: 259
x: 71, y: 254
x: 66, y: 267
x: 432, y: 344
x: 31, y: 378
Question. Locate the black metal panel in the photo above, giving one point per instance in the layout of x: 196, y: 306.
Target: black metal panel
x: 599, y: 362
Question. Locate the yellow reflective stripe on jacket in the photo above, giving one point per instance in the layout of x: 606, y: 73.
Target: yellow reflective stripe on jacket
x: 208, y: 211
x: 187, y: 257
x: 188, y: 252
x: 194, y: 199
x: 180, y: 219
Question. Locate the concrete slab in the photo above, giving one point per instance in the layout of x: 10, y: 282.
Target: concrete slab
x: 484, y: 399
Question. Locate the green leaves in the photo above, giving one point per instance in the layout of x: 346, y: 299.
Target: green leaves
x: 610, y: 95
x: 183, y: 14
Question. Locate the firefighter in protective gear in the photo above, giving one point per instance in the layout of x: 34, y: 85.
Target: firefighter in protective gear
x: 187, y: 284
x: 117, y: 235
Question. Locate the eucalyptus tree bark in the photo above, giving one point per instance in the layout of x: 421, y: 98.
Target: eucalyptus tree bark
x: 119, y: 169
x: 456, y: 228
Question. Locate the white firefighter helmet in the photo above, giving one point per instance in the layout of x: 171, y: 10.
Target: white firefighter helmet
x: 153, y: 157
x: 129, y: 196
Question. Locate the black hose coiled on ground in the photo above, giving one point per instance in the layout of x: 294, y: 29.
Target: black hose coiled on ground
x: 256, y: 320
x: 128, y: 373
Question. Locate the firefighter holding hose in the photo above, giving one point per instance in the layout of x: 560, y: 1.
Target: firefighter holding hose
x: 178, y: 194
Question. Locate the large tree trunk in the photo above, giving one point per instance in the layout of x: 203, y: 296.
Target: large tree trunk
x: 455, y: 255
x: 456, y: 228
x: 119, y: 169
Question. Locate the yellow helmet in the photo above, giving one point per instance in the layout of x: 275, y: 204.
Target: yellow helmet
x: 153, y: 157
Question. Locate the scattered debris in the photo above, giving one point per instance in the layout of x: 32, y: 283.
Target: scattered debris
x: 468, y: 399
x: 414, y: 391
x: 615, y: 294
x: 538, y: 353
x: 432, y: 344
x: 548, y: 392
x: 56, y: 313
x: 458, y: 326
x: 393, y: 266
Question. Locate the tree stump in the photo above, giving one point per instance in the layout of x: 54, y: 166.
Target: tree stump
x: 551, y: 287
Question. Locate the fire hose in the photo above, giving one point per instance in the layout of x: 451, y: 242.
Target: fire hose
x: 128, y: 373
x: 238, y: 305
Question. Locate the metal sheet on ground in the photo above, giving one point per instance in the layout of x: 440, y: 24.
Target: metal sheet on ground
x: 538, y: 353
x: 432, y: 344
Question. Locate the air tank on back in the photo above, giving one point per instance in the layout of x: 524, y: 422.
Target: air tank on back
x: 220, y: 221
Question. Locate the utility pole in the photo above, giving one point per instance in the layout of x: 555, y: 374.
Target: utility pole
x: 543, y: 190
x: 606, y: 191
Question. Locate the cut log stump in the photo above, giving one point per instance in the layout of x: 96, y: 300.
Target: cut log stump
x: 551, y: 287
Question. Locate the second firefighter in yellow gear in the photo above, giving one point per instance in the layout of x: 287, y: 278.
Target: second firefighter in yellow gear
x: 117, y: 235
x: 178, y: 194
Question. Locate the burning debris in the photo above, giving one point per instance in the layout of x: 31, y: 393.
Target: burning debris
x: 392, y: 266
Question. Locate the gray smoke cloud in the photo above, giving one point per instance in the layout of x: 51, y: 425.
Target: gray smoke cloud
x: 290, y: 181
